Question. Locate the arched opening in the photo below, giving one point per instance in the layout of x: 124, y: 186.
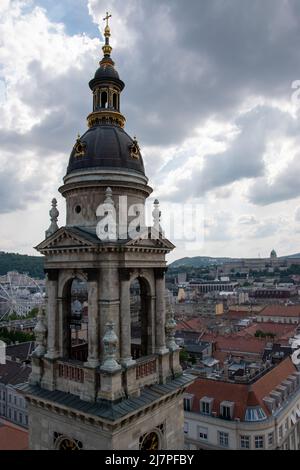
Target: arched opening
x: 75, y: 328
x: 141, y: 319
x: 104, y: 101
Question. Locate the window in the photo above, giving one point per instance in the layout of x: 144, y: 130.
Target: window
x: 280, y: 432
x: 186, y: 427
x: 259, y: 442
x: 26, y: 420
x: 187, y: 404
x: 15, y: 400
x: 9, y: 413
x: 286, y: 426
x: 227, y: 409
x: 203, y: 433
x: 9, y: 398
x: 205, y: 408
x: 104, y: 103
x: 270, y: 439
x: 225, y: 412
x: 245, y: 442
x: 223, y: 439
x: 15, y: 415
x: 20, y: 418
x: 255, y: 414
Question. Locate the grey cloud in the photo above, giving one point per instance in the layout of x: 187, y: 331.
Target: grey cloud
x: 284, y: 187
x: 219, y: 229
x: 244, y: 157
x: 248, y: 220
x: 221, y: 53
x: 265, y: 229
x: 15, y: 193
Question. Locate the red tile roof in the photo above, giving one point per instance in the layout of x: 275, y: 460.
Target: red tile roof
x: 281, y: 311
x: 193, y: 324
x: 234, y: 343
x: 278, y: 329
x: 243, y: 395
x: 13, y: 438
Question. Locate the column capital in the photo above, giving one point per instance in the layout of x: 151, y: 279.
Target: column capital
x: 92, y: 274
x: 159, y: 273
x: 52, y: 274
x: 125, y: 273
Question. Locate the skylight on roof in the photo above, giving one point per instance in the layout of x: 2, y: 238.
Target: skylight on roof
x: 255, y: 414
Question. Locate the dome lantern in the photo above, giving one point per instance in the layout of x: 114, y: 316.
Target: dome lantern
x: 106, y: 87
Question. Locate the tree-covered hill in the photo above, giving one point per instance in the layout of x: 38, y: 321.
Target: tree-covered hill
x: 31, y: 265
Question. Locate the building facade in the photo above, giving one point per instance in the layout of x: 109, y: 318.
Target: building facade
x: 12, y: 402
x: 261, y: 415
x: 105, y: 391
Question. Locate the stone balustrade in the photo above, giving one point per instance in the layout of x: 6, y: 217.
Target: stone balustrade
x: 71, y: 371
x: 146, y: 366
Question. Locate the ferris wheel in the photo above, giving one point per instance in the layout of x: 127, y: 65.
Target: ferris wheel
x: 19, y: 294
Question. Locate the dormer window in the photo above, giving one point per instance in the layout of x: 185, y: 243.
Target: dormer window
x: 226, y: 410
x: 188, y: 402
x: 206, y: 405
x: 270, y: 403
x: 255, y: 414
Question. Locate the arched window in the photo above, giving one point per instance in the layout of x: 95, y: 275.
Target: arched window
x: 76, y: 320
x: 141, y: 320
x: 104, y: 103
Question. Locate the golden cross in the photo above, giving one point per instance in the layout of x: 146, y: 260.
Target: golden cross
x: 107, y: 18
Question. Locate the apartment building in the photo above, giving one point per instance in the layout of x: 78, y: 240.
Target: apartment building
x: 262, y: 414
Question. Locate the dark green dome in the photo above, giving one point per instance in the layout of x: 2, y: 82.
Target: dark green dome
x: 106, y: 71
x: 105, y: 146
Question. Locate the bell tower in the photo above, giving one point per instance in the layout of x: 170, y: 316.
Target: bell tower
x: 105, y: 370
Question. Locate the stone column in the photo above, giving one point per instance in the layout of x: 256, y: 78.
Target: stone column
x: 125, y: 318
x: 52, y: 314
x: 93, y: 318
x: 160, y: 312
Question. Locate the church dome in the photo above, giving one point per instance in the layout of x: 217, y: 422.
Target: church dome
x: 106, y: 71
x: 106, y: 146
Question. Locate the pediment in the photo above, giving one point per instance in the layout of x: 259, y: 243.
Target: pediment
x: 64, y: 238
x: 156, y: 240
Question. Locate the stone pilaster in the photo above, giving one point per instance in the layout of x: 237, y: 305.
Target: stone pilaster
x: 52, y: 314
x: 125, y: 318
x: 160, y: 312
x: 93, y: 320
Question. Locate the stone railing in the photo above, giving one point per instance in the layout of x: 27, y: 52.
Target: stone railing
x: 71, y: 371
x: 146, y: 366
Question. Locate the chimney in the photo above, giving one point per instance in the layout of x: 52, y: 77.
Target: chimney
x: 226, y: 370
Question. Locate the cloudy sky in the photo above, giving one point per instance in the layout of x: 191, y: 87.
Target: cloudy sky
x: 211, y: 93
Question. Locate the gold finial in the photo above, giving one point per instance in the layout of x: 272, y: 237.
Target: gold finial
x: 107, y: 18
x: 107, y: 47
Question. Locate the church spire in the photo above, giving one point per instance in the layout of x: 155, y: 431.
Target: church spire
x: 107, y: 47
x: 106, y: 87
